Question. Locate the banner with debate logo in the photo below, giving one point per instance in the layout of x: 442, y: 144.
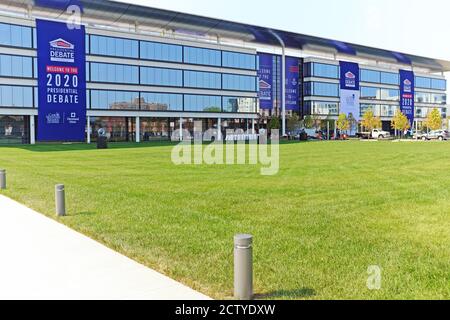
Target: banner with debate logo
x: 407, y: 94
x: 61, y: 82
x: 292, y: 83
x: 349, y: 89
x: 265, y: 76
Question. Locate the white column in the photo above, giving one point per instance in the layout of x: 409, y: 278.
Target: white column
x: 219, y: 129
x: 181, y: 129
x: 32, y: 131
x: 253, y: 126
x: 328, y: 130
x: 335, y: 129
x: 283, y: 90
x: 138, y: 130
x: 88, y: 132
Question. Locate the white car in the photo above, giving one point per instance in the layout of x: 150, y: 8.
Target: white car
x: 380, y: 134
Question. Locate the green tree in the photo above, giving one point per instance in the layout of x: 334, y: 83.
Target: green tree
x: 275, y: 123
x: 370, y: 122
x: 400, y: 122
x: 309, y: 122
x: 342, y: 123
x: 434, y: 120
x: 293, y: 122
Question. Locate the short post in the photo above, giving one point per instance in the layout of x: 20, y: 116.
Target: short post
x: 60, y: 200
x: 2, y: 179
x: 243, y: 267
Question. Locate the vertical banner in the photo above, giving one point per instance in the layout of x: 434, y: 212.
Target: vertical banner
x: 265, y: 76
x: 61, y: 82
x: 407, y: 94
x: 350, y: 89
x: 292, y: 84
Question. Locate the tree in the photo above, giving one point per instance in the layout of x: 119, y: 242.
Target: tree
x: 434, y: 120
x: 317, y: 122
x: 275, y: 123
x: 309, y: 122
x: 370, y: 122
x: 293, y: 122
x: 400, y: 122
x: 342, y: 123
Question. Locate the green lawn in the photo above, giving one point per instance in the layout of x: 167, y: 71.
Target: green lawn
x: 333, y: 210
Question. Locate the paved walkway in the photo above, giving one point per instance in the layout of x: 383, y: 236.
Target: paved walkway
x: 42, y: 259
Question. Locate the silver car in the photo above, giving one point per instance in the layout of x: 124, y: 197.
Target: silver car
x: 440, y: 135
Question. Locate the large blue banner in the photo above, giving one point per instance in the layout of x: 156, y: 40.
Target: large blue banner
x: 292, y: 84
x: 349, y: 92
x: 407, y: 94
x: 61, y: 82
x: 265, y: 76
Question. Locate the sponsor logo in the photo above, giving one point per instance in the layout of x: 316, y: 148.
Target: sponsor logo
x: 62, y: 51
x: 53, y: 118
x: 264, y: 85
x: 294, y: 82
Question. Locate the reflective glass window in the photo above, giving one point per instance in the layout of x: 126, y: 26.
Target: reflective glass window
x: 422, y: 82
x: 325, y: 70
x: 325, y: 108
x: 197, y: 79
x: 390, y: 78
x: 202, y: 56
x: 161, y: 51
x: 114, y: 73
x: 370, y: 76
x: 202, y: 103
x: 16, y: 96
x: 325, y: 89
x: 109, y: 46
x: 161, y: 77
x: 439, y: 84
x: 422, y: 97
x: 161, y: 101
x: 238, y: 60
x: 16, y: 66
x: 16, y: 36
x: 238, y: 82
x: 114, y: 100
x: 237, y: 104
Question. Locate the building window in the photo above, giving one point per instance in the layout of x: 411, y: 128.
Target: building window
x: 390, y: 78
x: 16, y: 96
x: 324, y: 108
x: 16, y: 66
x: 15, y: 36
x: 422, y: 97
x: 198, y: 79
x: 238, y: 60
x: 370, y: 93
x: 439, y: 84
x: 161, y: 51
x: 422, y: 82
x: 114, y: 100
x: 161, y: 102
x: 161, y: 77
x: 322, y: 70
x: 322, y: 89
x: 373, y: 107
x: 117, y: 47
x: 238, y: 82
x: 114, y: 73
x: 370, y: 76
x: 238, y: 105
x: 202, y: 103
x: 202, y: 56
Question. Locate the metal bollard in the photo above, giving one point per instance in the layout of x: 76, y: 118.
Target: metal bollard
x: 60, y: 200
x: 2, y: 179
x: 243, y: 267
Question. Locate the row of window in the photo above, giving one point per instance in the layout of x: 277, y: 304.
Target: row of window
x: 389, y: 111
x: 118, y: 47
x: 26, y: 97
x: 128, y: 100
x: 115, y: 73
x: 21, y: 36
x: 371, y: 93
x: 321, y: 70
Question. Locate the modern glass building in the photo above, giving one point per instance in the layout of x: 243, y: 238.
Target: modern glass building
x: 150, y: 72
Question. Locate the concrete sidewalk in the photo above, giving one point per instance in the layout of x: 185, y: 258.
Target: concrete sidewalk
x: 42, y: 259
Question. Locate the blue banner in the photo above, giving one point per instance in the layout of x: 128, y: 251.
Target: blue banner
x: 349, y: 75
x: 265, y: 76
x: 292, y: 84
x: 349, y: 93
x: 61, y: 82
x: 407, y: 94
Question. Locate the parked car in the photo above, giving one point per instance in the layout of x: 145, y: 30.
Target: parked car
x: 375, y: 134
x: 440, y: 135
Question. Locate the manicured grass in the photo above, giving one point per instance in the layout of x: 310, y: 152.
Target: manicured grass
x: 333, y: 210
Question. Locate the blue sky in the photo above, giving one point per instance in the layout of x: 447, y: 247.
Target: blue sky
x: 411, y: 26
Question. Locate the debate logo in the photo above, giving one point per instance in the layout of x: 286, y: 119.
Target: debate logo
x: 62, y: 51
x: 407, y: 86
x: 350, y: 80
